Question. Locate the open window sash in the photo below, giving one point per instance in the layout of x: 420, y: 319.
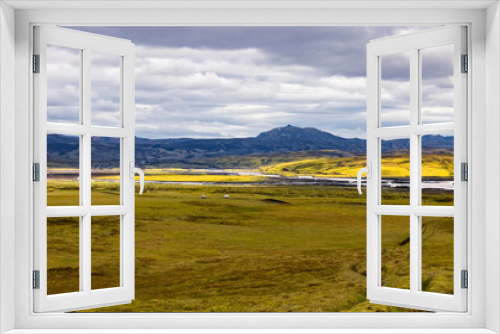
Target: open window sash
x: 415, y: 297
x: 85, y: 297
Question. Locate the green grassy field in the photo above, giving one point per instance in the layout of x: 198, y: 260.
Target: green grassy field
x: 265, y: 249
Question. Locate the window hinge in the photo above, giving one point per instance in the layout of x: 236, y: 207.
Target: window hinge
x: 464, y: 171
x: 36, y: 279
x: 36, y: 172
x: 465, y: 64
x: 465, y: 279
x: 36, y: 63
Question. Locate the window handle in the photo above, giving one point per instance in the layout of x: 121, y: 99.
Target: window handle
x: 368, y: 172
x: 133, y: 171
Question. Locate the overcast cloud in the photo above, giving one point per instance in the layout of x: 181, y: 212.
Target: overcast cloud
x: 205, y: 82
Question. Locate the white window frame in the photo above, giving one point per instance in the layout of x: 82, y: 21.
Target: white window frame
x: 484, y: 48
x: 85, y: 297
x: 414, y: 43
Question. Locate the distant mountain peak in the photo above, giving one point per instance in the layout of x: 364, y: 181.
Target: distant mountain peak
x: 290, y: 132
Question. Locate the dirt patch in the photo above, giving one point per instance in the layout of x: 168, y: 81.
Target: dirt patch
x: 275, y: 201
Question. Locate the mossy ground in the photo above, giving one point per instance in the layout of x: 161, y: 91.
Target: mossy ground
x: 265, y: 249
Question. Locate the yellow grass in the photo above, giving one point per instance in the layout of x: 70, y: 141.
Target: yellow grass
x: 394, y: 166
x: 190, y: 178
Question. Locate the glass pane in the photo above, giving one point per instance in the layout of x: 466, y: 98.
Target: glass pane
x: 437, y: 170
x: 395, y: 252
x: 437, y: 84
x: 395, y: 89
x: 63, y: 255
x: 395, y: 171
x: 437, y: 254
x: 63, y: 85
x: 105, y: 171
x: 63, y: 170
x: 106, y: 94
x: 105, y: 252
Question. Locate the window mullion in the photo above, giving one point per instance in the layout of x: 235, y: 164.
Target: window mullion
x: 86, y: 171
x: 86, y: 147
x: 414, y: 171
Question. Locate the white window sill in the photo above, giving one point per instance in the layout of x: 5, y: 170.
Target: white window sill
x: 251, y: 331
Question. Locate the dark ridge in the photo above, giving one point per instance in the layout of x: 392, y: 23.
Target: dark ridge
x: 63, y: 151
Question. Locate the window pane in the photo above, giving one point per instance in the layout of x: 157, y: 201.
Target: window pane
x: 437, y: 254
x: 105, y: 171
x: 437, y: 170
x: 395, y: 171
x: 105, y: 252
x: 395, y: 89
x: 106, y: 94
x: 63, y: 170
x: 437, y: 84
x: 395, y: 252
x: 63, y: 85
x: 63, y: 255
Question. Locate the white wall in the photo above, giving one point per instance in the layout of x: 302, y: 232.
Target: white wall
x: 7, y: 160
x: 218, y: 17
x: 492, y: 163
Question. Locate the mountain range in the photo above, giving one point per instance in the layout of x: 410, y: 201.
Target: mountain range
x: 62, y: 150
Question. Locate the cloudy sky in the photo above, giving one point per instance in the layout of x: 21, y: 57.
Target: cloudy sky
x: 205, y: 82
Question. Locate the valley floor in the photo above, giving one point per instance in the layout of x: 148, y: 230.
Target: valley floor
x: 264, y: 249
